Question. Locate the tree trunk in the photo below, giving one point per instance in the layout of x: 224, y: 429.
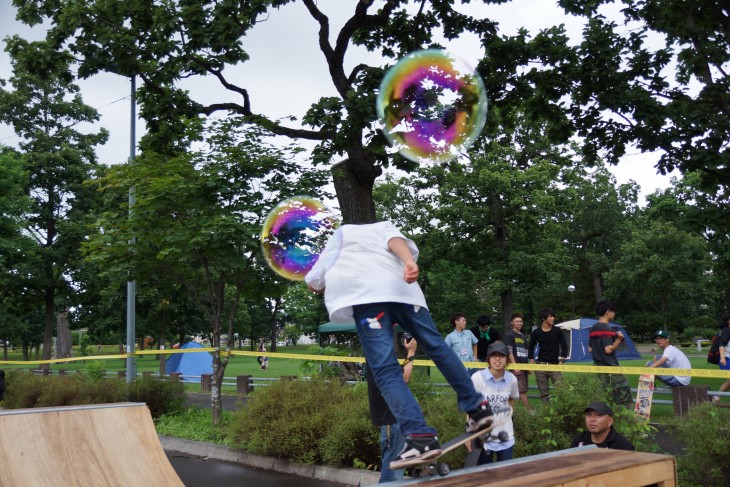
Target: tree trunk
x: 215, y: 387
x: 64, y: 341
x: 354, y: 187
x: 597, y: 286
x: 507, y: 298
x: 49, y: 299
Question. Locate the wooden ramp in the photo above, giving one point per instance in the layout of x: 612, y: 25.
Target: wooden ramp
x: 576, y: 467
x: 86, y: 446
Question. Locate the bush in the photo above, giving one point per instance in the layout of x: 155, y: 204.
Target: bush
x: 552, y: 426
x: 161, y: 396
x: 309, y: 422
x: 26, y: 390
x: 195, y: 423
x: 704, y: 460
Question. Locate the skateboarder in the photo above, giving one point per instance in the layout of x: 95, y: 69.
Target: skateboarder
x: 599, y: 429
x: 368, y: 273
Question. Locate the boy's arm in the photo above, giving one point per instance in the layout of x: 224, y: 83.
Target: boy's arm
x: 400, y: 248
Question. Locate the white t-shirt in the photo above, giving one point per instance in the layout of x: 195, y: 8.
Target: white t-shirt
x: 677, y: 360
x: 357, y: 267
x: 498, y: 393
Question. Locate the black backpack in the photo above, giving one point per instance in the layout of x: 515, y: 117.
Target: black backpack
x: 713, y: 356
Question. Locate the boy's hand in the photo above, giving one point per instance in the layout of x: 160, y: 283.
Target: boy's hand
x: 410, y: 272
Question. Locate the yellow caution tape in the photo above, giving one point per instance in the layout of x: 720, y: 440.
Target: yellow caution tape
x: 580, y: 369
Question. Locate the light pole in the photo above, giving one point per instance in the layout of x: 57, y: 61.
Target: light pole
x: 571, y: 290
x: 131, y: 285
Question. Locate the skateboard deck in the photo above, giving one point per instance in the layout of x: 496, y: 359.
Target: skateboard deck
x: 644, y: 395
x: 443, y: 469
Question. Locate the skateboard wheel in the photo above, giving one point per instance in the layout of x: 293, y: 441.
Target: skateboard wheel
x: 503, y: 436
x: 442, y: 469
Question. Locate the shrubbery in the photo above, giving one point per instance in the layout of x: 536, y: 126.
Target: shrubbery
x: 309, y: 422
x: 704, y: 460
x: 26, y: 390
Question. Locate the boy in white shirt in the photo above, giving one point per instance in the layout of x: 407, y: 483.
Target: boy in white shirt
x: 499, y: 387
x: 368, y: 273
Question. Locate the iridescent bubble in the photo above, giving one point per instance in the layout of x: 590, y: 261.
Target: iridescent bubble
x: 295, y: 233
x: 432, y: 106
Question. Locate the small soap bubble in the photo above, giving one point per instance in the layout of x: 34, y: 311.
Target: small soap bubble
x: 432, y: 106
x: 295, y: 233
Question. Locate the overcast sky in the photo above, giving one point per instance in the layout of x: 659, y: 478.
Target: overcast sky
x: 285, y: 78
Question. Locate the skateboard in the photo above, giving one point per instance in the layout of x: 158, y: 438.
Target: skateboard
x: 644, y: 395
x: 432, y: 465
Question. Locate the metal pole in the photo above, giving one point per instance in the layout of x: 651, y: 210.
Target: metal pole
x: 131, y: 285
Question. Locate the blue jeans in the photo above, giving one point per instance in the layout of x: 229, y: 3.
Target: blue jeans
x: 669, y: 380
x: 485, y: 457
x: 375, y: 324
x: 391, y: 443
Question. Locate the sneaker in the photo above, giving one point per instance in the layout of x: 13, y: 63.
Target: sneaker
x: 480, y: 418
x: 417, y: 449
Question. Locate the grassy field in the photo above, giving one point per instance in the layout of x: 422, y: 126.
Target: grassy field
x: 247, y: 365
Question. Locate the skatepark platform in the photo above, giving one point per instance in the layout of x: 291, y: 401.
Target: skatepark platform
x: 575, y: 467
x: 104, y: 445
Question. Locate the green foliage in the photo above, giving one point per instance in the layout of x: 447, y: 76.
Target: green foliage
x: 552, y: 426
x: 309, y: 422
x: 320, y: 368
x: 161, y: 396
x: 704, y: 460
x: 194, y: 423
x: 26, y: 390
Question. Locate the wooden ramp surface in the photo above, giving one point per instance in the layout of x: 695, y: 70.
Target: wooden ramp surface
x: 95, y: 446
x: 579, y: 467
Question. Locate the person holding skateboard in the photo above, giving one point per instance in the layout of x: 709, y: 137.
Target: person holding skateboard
x: 499, y: 387
x: 368, y: 273
x: 599, y: 429
x: 603, y: 342
x: 672, y: 358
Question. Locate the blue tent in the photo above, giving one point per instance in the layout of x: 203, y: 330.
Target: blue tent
x: 576, y: 334
x: 190, y: 365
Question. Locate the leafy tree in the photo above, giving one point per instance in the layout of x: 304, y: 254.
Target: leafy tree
x: 44, y: 107
x: 166, y: 44
x: 661, y: 277
x: 197, y: 220
x: 674, y: 98
x: 600, y: 215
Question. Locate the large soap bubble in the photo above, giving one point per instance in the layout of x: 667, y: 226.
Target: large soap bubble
x: 432, y: 106
x: 295, y: 233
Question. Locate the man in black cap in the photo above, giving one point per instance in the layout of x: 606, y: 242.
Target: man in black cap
x: 599, y: 429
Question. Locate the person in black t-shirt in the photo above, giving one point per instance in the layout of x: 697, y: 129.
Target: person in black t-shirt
x: 603, y: 341
x: 553, y: 349
x: 391, y: 438
x: 517, y: 343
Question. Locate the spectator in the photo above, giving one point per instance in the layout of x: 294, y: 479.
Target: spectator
x: 462, y: 341
x: 672, y: 358
x: 599, y: 429
x: 499, y: 387
x: 724, y: 351
x: 603, y: 343
x: 553, y: 349
x: 2, y: 385
x: 368, y: 274
x: 391, y: 438
x: 516, y: 342
x: 486, y: 335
